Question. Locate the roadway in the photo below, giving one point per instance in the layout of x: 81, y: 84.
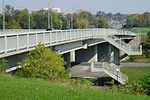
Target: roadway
x: 135, y: 64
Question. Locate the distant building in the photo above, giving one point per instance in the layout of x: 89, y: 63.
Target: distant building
x: 116, y: 25
x: 54, y: 9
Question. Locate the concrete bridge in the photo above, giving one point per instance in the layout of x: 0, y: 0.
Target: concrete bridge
x: 90, y: 52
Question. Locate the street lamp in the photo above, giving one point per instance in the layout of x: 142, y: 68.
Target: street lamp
x: 49, y: 15
x: 29, y: 21
x: 3, y: 15
x: 97, y: 22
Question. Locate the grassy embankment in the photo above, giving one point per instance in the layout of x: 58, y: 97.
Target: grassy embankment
x: 30, y: 89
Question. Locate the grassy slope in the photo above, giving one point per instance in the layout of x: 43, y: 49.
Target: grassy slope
x: 135, y: 73
x: 27, y: 89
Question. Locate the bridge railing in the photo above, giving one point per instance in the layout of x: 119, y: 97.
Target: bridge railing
x: 16, y: 41
x: 111, y: 69
x: 10, y: 31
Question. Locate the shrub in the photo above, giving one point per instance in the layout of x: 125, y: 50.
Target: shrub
x: 43, y: 63
x: 80, y: 82
x: 3, y: 65
x: 140, y: 87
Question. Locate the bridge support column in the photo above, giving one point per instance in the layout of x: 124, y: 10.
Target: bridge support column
x: 87, y: 55
x: 67, y: 58
x: 116, y: 55
x: 104, y: 52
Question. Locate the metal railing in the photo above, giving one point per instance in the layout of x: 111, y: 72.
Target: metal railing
x: 136, y: 48
x: 10, y: 31
x: 110, y: 69
x: 17, y: 40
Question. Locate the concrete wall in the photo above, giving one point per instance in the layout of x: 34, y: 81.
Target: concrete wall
x: 104, y: 50
x: 67, y: 59
x: 86, y: 55
x: 15, y: 59
x: 116, y: 56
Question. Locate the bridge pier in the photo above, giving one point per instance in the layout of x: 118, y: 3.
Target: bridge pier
x: 86, y: 55
x: 104, y: 50
x: 67, y: 58
x: 116, y: 56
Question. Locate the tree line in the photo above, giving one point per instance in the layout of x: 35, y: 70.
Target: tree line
x: 19, y: 19
x: 138, y: 20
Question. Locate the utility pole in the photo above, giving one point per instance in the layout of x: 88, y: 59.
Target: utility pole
x: 3, y: 15
x: 49, y: 16
x: 29, y: 21
x: 86, y: 21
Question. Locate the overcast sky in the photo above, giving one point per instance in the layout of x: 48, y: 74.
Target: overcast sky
x: 114, y: 6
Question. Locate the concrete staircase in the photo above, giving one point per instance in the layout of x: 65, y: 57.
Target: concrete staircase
x: 121, y: 45
x: 110, y: 69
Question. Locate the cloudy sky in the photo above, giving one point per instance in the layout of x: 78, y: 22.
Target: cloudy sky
x: 114, y: 6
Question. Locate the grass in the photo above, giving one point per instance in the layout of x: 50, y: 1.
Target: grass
x: 30, y: 89
x: 141, y: 30
x: 136, y: 73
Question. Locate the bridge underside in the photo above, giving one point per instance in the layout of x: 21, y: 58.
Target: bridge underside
x: 83, y: 70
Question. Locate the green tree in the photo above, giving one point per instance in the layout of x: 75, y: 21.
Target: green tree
x: 1, y: 21
x: 80, y: 23
x: 102, y: 23
x: 3, y: 65
x: 43, y: 63
x: 22, y: 17
x: 57, y: 22
x: 13, y: 24
x: 40, y: 19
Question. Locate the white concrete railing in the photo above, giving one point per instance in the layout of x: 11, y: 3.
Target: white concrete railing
x: 24, y: 40
x: 136, y: 49
x: 110, y: 69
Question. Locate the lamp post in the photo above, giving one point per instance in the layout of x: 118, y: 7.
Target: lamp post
x: 3, y: 15
x: 97, y: 22
x: 49, y: 16
x: 29, y: 21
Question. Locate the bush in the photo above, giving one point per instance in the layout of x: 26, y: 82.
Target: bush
x: 131, y: 58
x: 43, y: 63
x: 140, y: 87
x: 80, y: 82
x: 3, y: 65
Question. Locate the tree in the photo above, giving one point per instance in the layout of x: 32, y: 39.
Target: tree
x: 13, y: 24
x: 80, y: 23
x: 138, y: 20
x: 40, y: 19
x: 100, y: 14
x: 22, y: 17
x: 1, y: 21
x: 43, y: 63
x: 57, y: 22
x: 3, y: 65
x: 102, y: 23
x: 9, y: 12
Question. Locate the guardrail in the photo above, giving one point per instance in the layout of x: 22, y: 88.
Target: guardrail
x: 23, y: 39
x: 110, y: 69
x: 136, y: 48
